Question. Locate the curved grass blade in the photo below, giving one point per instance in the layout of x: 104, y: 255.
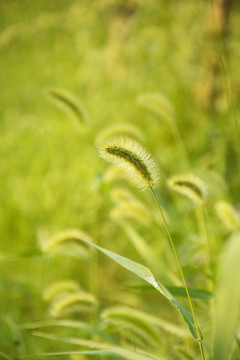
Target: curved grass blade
x: 81, y: 326
x: 145, y: 273
x: 134, y: 320
x: 108, y: 348
x: 121, y: 353
x: 163, y: 324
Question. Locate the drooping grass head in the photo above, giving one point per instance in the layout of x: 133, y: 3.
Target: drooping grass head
x: 190, y: 186
x: 133, y: 158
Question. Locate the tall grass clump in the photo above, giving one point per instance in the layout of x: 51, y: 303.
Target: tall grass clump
x: 138, y: 163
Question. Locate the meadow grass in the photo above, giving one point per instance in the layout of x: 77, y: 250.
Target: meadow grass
x: 133, y: 69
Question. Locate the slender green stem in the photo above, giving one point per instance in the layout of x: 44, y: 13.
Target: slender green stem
x: 181, y: 272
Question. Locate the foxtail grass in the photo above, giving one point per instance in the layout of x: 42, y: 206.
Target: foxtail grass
x: 68, y: 242
x: 133, y: 158
x: 190, y: 186
x: 138, y: 163
x: 75, y: 302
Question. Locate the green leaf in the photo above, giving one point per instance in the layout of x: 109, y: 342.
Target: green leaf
x: 145, y: 273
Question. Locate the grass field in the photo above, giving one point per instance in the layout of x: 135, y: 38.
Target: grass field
x: 74, y: 74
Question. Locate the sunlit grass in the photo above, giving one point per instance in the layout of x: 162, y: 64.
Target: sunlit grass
x: 137, y: 69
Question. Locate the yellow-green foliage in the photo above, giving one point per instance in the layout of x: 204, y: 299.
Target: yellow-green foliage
x: 130, y: 156
x: 142, y: 70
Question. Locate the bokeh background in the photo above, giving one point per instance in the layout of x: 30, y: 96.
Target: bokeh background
x: 106, y: 54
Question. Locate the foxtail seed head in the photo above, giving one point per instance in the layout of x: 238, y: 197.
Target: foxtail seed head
x: 190, y: 186
x: 133, y: 158
x: 79, y: 301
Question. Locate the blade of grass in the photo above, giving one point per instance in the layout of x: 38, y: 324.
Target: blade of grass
x: 114, y: 350
x: 145, y: 273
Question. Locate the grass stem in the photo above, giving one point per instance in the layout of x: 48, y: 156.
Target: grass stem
x: 181, y: 272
